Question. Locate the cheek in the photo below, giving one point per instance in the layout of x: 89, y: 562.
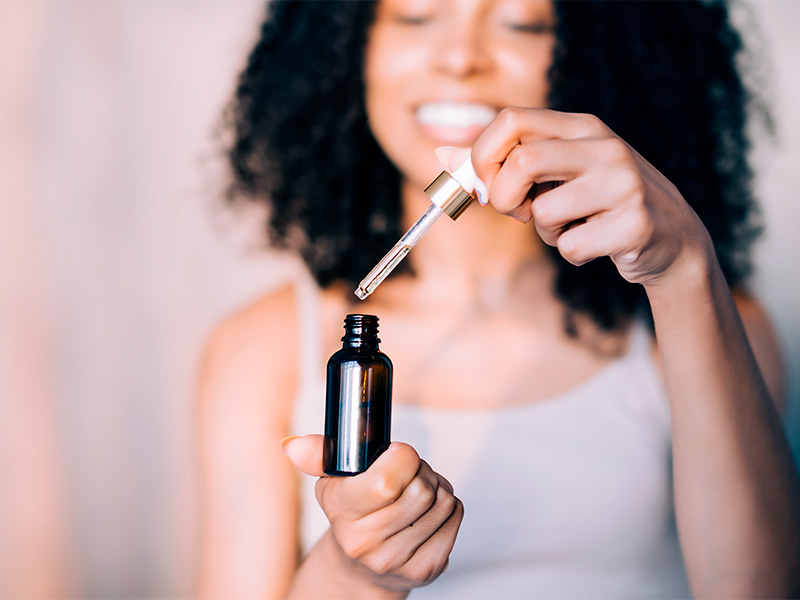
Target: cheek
x: 381, y: 112
x: 390, y: 61
x: 538, y: 90
x: 378, y: 90
x: 380, y: 75
x: 525, y: 68
x: 391, y: 70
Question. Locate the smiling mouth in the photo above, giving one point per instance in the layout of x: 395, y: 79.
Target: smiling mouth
x: 455, y: 115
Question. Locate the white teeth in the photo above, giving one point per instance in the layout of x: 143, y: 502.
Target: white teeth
x: 455, y: 114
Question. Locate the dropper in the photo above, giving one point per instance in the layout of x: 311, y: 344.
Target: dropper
x: 450, y: 195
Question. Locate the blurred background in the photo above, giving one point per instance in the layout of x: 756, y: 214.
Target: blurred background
x: 117, y: 257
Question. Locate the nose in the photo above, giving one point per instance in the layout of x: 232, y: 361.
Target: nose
x: 462, y: 51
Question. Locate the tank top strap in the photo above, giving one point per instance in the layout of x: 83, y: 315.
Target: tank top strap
x: 309, y: 405
x: 641, y: 338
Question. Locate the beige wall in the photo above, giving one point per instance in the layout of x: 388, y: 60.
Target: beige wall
x: 778, y: 167
x: 115, y: 262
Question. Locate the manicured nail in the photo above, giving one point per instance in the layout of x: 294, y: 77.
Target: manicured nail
x: 483, y: 193
x: 518, y: 220
x: 443, y: 153
x: 285, y: 441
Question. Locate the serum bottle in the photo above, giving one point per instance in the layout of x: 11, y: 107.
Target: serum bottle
x: 358, y: 403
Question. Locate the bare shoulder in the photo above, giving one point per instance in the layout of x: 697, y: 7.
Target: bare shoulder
x: 765, y: 344
x: 249, y: 510
x: 250, y: 359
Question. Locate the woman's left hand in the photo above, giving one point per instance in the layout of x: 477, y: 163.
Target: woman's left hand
x: 588, y: 193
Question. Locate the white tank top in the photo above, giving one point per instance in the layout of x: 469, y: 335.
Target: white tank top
x: 564, y: 498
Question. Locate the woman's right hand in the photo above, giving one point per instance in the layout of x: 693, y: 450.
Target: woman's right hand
x: 396, y: 523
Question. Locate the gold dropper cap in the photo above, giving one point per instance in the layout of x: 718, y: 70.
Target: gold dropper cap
x: 446, y: 193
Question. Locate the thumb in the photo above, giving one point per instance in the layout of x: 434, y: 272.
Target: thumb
x: 305, y: 453
x: 452, y: 157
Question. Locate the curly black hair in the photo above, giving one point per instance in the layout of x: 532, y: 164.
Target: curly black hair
x: 662, y: 75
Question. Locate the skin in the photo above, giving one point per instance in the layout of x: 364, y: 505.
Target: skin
x: 736, y: 491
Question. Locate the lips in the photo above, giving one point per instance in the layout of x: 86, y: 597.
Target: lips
x: 454, y: 122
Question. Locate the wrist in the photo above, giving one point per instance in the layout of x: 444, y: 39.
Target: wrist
x: 695, y: 270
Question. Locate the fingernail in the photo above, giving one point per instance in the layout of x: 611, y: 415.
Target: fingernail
x: 443, y: 154
x: 285, y: 441
x: 518, y: 220
x: 482, y: 191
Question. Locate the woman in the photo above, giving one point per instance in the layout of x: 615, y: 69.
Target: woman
x: 591, y: 461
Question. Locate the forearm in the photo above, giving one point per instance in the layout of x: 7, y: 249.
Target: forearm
x: 736, y: 488
x: 327, y: 573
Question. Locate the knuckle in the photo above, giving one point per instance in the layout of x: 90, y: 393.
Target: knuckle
x: 421, y: 571
x: 505, y: 205
x: 446, y: 503
x: 459, y: 510
x: 511, y: 116
x: 591, y: 124
x: 421, y: 493
x: 355, y: 547
x: 385, y: 487
x: 630, y: 184
x: 406, y: 458
x: 616, y: 150
x: 547, y: 234
x: 454, y: 518
x: 642, y: 229
x: 440, y: 565
x: 543, y: 212
x: 445, y: 564
x: 524, y: 158
x: 569, y: 249
x: 380, y: 563
x: 444, y: 482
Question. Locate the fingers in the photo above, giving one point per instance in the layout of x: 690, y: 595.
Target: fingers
x: 520, y: 126
x: 452, y: 157
x: 430, y: 558
x: 534, y: 163
x: 548, y: 161
x: 421, y: 494
x: 417, y: 498
x: 417, y: 552
x: 384, y: 482
x: 380, y: 485
x: 305, y: 453
x: 381, y: 518
x: 585, y: 220
x: 419, y: 556
x: 406, y: 541
x: 615, y: 236
x: 557, y: 208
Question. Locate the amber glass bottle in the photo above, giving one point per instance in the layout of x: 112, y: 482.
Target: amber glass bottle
x: 358, y: 403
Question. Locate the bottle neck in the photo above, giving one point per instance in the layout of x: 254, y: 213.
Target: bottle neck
x: 361, y: 331
x: 360, y: 343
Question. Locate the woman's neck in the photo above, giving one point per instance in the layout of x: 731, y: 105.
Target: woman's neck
x: 482, y: 255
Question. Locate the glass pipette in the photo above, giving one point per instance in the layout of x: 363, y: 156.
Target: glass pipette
x: 450, y: 195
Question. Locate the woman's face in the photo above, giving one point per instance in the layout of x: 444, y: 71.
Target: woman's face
x: 438, y: 71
